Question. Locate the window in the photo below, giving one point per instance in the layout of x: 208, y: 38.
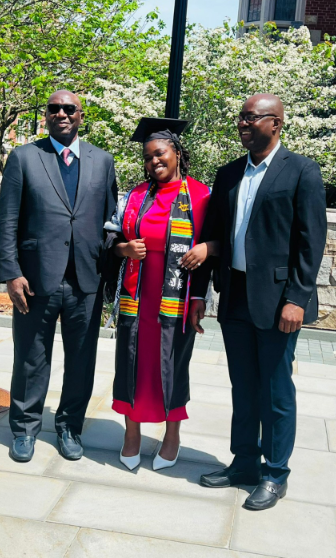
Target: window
x: 285, y: 10
x: 254, y: 10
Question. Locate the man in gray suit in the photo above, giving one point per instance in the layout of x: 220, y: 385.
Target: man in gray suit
x: 56, y: 194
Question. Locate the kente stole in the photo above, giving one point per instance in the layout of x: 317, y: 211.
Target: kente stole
x: 183, y: 233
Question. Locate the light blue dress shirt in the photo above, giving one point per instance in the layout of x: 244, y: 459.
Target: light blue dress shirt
x: 247, y: 193
x: 59, y: 148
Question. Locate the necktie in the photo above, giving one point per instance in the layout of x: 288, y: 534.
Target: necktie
x: 65, y: 153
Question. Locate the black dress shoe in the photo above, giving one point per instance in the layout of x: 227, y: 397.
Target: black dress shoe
x: 265, y: 495
x: 230, y: 476
x: 70, y: 445
x: 22, y: 448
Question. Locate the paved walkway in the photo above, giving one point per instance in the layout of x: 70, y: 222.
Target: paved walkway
x: 307, y: 350
x: 53, y: 508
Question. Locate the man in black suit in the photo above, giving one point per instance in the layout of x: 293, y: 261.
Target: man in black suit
x: 56, y: 194
x: 267, y: 212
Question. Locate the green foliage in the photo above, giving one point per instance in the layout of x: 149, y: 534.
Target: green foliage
x: 220, y: 72
x: 47, y: 45
x: 119, y: 66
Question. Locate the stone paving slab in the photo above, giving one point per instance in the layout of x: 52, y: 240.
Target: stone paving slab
x: 207, y: 357
x: 208, y: 419
x: 205, y: 448
x: 28, y: 496
x: 184, y: 519
x: 34, y: 539
x: 331, y: 431
x: 316, y: 405
x: 314, y: 385
x: 309, y: 350
x: 209, y: 374
x: 105, y: 359
x: 56, y: 376
x: 311, y: 433
x: 5, y: 380
x: 7, y: 347
x: 90, y: 543
x: 222, y: 359
x: 317, y: 370
x: 5, y: 333
x: 313, y: 477
x: 105, y: 430
x: 207, y: 394
x: 58, y: 353
x: 106, y: 344
x: 103, y: 467
x: 6, y: 363
x: 51, y: 405
x: 291, y: 530
x: 99, y: 508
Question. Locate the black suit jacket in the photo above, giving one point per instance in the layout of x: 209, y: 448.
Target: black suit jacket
x: 284, y: 241
x: 36, y: 219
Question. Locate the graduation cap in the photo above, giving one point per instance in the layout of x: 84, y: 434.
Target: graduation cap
x: 158, y: 128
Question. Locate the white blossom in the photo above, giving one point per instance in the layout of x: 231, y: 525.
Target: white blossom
x: 220, y: 72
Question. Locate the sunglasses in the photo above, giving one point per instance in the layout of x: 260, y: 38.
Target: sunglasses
x: 54, y: 108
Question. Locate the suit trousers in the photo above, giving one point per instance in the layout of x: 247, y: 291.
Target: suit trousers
x: 33, y: 336
x: 263, y: 392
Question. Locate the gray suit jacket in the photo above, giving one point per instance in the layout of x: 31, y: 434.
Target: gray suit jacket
x: 36, y: 219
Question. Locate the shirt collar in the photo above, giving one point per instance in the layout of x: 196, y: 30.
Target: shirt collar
x: 266, y: 162
x: 59, y: 147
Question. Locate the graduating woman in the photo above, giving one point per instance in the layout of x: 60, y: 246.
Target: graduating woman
x: 154, y: 232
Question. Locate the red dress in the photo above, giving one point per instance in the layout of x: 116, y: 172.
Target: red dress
x: 148, y: 400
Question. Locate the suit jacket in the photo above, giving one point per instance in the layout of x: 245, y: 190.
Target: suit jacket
x: 284, y: 241
x: 37, y: 221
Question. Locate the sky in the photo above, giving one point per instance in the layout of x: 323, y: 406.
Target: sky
x: 199, y: 11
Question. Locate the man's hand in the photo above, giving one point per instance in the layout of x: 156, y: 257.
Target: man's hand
x: 196, y: 313
x: 291, y: 318
x: 16, y: 289
x: 195, y: 257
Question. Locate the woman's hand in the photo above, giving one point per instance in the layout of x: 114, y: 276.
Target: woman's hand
x: 134, y: 249
x: 195, y: 257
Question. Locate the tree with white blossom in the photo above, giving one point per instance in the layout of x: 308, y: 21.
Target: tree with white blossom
x: 220, y: 72
x: 49, y: 45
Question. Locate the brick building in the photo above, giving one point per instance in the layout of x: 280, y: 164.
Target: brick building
x: 318, y: 15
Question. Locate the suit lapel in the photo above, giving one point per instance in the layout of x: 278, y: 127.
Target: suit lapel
x: 277, y: 164
x: 49, y: 159
x: 233, y: 198
x: 85, y: 172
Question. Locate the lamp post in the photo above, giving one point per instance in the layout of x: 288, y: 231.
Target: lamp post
x: 176, y: 59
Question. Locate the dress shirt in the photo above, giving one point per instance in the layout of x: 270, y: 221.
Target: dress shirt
x: 59, y: 148
x: 247, y: 193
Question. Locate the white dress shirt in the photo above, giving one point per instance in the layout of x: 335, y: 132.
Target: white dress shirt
x: 59, y: 148
x: 247, y: 193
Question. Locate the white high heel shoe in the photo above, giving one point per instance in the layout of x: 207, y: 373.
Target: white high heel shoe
x: 160, y: 463
x: 130, y: 462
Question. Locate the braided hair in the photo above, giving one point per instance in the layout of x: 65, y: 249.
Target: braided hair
x: 176, y: 145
